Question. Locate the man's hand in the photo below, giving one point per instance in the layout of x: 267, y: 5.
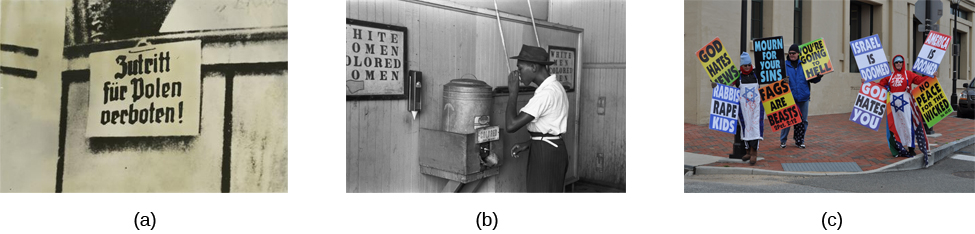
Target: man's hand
x: 513, y: 79
x: 714, y: 85
x: 518, y: 148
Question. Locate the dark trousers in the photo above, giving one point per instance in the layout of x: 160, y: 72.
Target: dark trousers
x: 547, y: 166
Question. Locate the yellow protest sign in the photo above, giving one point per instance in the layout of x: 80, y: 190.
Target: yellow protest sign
x: 716, y: 61
x: 781, y: 110
x: 814, y: 58
x: 932, y: 101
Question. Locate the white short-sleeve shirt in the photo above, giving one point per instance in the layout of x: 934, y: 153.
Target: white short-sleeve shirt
x: 550, y: 107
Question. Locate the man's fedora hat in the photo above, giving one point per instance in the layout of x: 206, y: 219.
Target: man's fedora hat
x: 533, y: 54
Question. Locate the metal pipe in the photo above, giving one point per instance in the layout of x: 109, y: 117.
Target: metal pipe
x: 532, y: 13
x: 505, y: 48
x: 955, y: 63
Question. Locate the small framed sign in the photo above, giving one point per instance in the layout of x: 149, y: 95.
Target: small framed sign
x: 565, y: 65
x: 375, y: 61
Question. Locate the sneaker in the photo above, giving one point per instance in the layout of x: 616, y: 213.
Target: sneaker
x: 782, y: 145
x: 801, y: 146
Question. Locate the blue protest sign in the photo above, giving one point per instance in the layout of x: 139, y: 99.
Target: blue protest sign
x: 870, y: 58
x: 724, y: 109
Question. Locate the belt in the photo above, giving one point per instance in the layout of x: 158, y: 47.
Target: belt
x: 547, y: 138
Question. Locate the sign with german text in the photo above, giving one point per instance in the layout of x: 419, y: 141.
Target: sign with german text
x: 770, y: 60
x: 717, y: 63
x: 870, y: 105
x: 814, y: 59
x: 564, y: 67
x: 932, y: 52
x: 870, y: 58
x: 724, y: 109
x: 931, y: 99
x: 375, y: 60
x: 782, y: 109
x: 151, y: 90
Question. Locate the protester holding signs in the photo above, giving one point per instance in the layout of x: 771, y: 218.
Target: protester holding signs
x: 800, y: 91
x: 904, y: 122
x: 750, y: 104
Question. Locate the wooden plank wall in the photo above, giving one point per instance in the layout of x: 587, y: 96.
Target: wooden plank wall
x: 603, y: 75
x: 444, y: 44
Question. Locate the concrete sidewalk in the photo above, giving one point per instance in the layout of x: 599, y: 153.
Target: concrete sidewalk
x: 829, y: 138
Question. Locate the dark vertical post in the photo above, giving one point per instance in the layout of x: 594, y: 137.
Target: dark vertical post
x: 738, y: 147
x: 954, y: 64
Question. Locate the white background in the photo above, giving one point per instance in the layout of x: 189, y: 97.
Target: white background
x: 316, y: 201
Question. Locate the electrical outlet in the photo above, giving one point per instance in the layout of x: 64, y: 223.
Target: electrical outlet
x: 599, y: 161
x: 601, y: 106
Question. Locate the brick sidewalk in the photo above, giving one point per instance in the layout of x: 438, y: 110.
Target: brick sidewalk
x: 829, y: 138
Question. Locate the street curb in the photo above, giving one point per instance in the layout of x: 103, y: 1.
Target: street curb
x: 914, y: 163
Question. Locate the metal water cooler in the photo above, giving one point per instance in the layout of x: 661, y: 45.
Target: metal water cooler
x: 467, y: 147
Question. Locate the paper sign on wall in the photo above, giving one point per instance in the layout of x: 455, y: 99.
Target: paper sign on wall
x: 770, y: 60
x: 931, y: 99
x: 814, y: 58
x: 870, y: 58
x: 932, y: 52
x: 717, y: 63
x: 870, y: 105
x: 724, y: 109
x: 781, y: 107
x: 145, y: 91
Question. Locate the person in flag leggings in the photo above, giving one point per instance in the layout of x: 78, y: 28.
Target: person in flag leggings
x: 800, y: 88
x: 905, y: 128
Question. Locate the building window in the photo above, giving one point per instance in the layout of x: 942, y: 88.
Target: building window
x: 861, y: 25
x: 757, y: 19
x: 797, y: 23
x: 961, y: 14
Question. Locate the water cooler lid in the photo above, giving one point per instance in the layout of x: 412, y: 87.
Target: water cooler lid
x: 467, y: 85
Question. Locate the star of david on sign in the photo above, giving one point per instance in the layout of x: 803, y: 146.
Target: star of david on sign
x: 898, y: 106
x: 750, y: 94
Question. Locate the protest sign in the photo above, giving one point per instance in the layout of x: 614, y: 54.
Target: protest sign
x: 870, y: 58
x: 930, y: 98
x: 814, y: 59
x: 870, y: 105
x: 724, y: 109
x: 770, y: 60
x: 151, y: 90
x: 781, y: 110
x: 716, y: 61
x: 929, y: 58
